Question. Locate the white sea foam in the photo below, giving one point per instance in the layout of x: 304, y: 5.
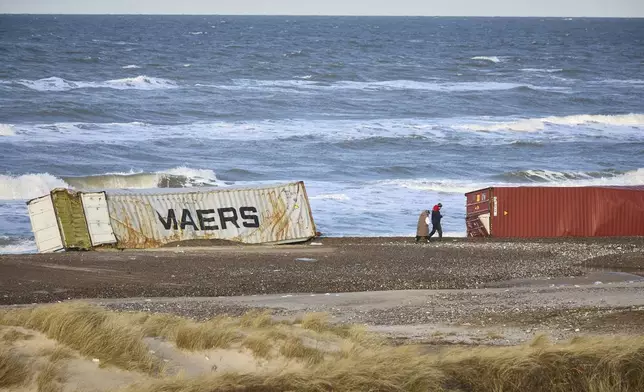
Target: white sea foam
x: 21, y: 246
x: 621, y: 82
x: 538, y: 124
x: 141, y: 82
x: 439, y: 186
x: 493, y: 59
x: 546, y: 70
x: 131, y: 66
x: 468, y: 131
x: 7, y: 130
x: 429, y: 86
x: 330, y: 196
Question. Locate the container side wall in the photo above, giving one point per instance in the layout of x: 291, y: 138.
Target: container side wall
x: 568, y: 212
x: 273, y: 214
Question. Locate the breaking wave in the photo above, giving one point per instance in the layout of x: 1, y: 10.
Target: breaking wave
x: 6, y: 130
x: 493, y: 59
x: 29, y: 186
x: 141, y: 82
x: 131, y: 66
x: 538, y: 124
x: 555, y: 178
x: 524, y: 178
x: 543, y: 176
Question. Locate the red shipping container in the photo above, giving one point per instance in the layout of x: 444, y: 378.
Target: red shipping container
x: 531, y: 212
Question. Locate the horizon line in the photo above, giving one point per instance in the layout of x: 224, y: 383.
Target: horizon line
x: 329, y: 15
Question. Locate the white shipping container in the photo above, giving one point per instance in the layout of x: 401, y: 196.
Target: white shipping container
x: 270, y: 214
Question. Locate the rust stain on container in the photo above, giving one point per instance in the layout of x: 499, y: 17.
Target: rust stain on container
x: 527, y: 212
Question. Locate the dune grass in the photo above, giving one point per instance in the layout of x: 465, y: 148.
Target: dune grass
x: 13, y: 335
x: 14, y: 370
x: 91, y: 331
x: 256, y: 319
x: 260, y: 345
x: 293, y: 347
x: 199, y: 337
x: 331, y: 358
x: 594, y: 364
x: 58, y: 354
x: 50, y: 378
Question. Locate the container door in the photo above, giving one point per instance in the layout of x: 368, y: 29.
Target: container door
x: 71, y: 218
x: 45, y: 225
x: 98, y: 218
x: 477, y: 218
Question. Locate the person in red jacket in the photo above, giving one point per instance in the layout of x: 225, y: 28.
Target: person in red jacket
x: 436, y: 221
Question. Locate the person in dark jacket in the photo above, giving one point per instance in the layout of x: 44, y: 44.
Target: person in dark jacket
x: 436, y: 221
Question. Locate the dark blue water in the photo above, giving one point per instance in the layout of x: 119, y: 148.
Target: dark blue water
x: 380, y: 116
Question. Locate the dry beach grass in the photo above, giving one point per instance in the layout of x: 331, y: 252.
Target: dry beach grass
x: 310, y: 354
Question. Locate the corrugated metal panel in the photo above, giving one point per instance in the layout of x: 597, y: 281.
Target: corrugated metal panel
x: 624, y: 212
x: 71, y: 219
x: 98, y: 218
x: 271, y: 214
x: 567, y: 211
x: 44, y: 224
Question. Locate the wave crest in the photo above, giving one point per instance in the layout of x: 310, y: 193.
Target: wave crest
x: 538, y: 124
x: 7, y: 130
x: 553, y: 176
x: 492, y: 59
x: 303, y: 84
x: 141, y: 82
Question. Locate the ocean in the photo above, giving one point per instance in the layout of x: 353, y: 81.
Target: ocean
x: 380, y: 116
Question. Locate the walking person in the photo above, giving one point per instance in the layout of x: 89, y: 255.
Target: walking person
x: 436, y: 222
x: 422, y: 229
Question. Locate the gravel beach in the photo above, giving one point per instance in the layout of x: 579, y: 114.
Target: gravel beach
x: 391, y: 284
